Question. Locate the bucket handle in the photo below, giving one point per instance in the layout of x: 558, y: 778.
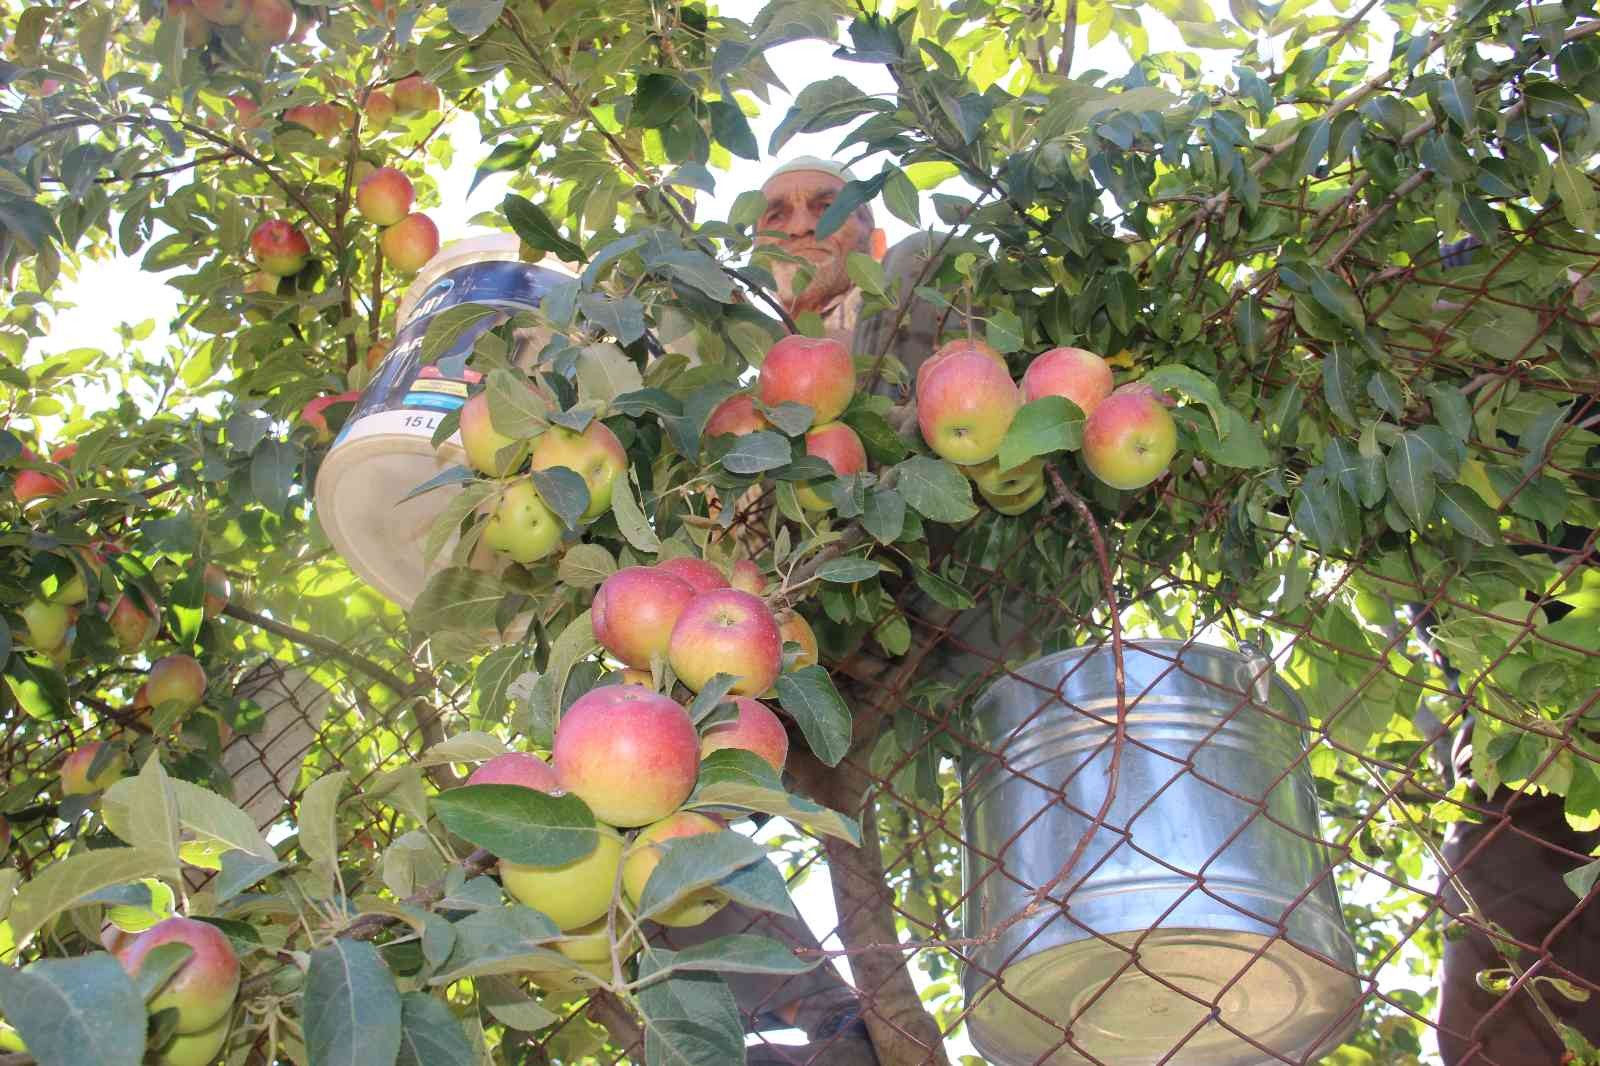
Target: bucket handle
x: 1255, y: 672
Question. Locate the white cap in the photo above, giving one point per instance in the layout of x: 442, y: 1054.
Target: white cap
x: 811, y: 162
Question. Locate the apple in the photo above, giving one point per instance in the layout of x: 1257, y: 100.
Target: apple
x: 959, y: 346
x: 246, y: 112
x: 414, y: 96
x: 596, y: 455
x: 176, y: 679
x: 522, y: 526
x: 75, y: 779
x: 815, y: 371
x: 268, y: 22
x: 280, y: 249
x: 385, y: 196
x: 699, y: 574
x: 965, y: 405
x: 380, y: 110
x: 376, y: 354
x: 591, y: 943
x: 486, y: 446
x: 634, y: 611
x: 203, y: 989
x: 516, y: 768
x: 794, y: 629
x: 315, y: 413
x: 222, y: 12
x: 1130, y: 439
x: 630, y: 676
x: 196, y: 30
x: 756, y: 729
x: 1017, y: 502
x: 575, y: 893
x: 991, y: 479
x: 30, y: 485
x: 748, y: 576
x: 322, y: 119
x: 48, y: 624
x: 737, y: 415
x: 134, y: 620
x: 193, y: 1049
x: 410, y: 243
x: 839, y: 445
x: 631, y: 754
x: 645, y: 855
x: 1076, y: 373
x: 217, y: 590
x: 726, y: 631
x: 74, y: 590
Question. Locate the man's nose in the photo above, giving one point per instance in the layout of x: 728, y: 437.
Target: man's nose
x: 802, y: 222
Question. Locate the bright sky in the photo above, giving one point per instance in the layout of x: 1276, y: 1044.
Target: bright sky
x: 116, y: 291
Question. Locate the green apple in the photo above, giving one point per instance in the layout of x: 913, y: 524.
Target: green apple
x: 644, y: 856
x: 522, y: 526
x: 1017, y: 502
x: 992, y: 480
x: 47, y: 624
x: 486, y: 447
x: 596, y: 455
x: 572, y: 894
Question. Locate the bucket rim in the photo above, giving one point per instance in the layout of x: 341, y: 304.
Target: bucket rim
x: 493, y: 247
x: 1018, y: 678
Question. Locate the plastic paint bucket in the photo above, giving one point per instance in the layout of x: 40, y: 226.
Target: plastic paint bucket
x: 386, y: 450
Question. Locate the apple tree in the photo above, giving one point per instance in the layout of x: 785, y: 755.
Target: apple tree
x: 1346, y: 272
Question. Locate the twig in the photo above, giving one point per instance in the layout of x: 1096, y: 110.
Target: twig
x: 1069, y: 33
x: 323, y: 645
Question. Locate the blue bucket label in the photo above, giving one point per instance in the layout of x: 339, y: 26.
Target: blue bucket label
x: 403, y: 383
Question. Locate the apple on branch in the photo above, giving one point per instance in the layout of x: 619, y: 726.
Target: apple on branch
x: 385, y: 196
x: 736, y: 416
x: 571, y: 894
x: 1130, y: 438
x: 279, y: 248
x: 631, y: 754
x: 756, y: 730
x: 1017, y: 502
x: 222, y: 12
x: 748, y: 576
x: 196, y: 28
x: 415, y: 96
x: 634, y: 611
x: 959, y: 346
x: 49, y: 624
x: 176, y: 679
x: 965, y: 405
x: 596, y: 455
x: 133, y: 619
x: 1074, y: 373
x: 990, y: 479
x: 315, y: 413
x: 516, y: 768
x: 727, y: 631
x: 410, y: 242
x: 380, y: 110
x: 217, y: 590
x: 699, y: 574
x: 75, y: 779
x: 522, y: 527
x: 644, y: 856
x: 815, y: 371
x: 838, y: 444
x: 203, y: 989
x: 268, y: 22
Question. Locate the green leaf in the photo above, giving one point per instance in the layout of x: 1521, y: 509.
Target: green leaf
x: 585, y: 566
x: 659, y: 99
x: 1336, y: 296
x: 157, y: 967
x: 1457, y: 98
x: 68, y: 882
x: 564, y: 491
x: 1047, y: 425
x: 846, y: 200
x: 692, y: 863
x: 1338, y: 383
x: 732, y: 130
x: 1577, y: 195
x: 1412, y: 477
x: 742, y: 953
x: 605, y: 372
x: 351, y: 1008
x: 1250, y: 325
x: 575, y: 644
x: 1003, y: 330
x: 867, y: 273
x: 732, y: 777
x: 1361, y: 476
x: 242, y: 870
x: 1581, y: 881
x: 431, y: 1035
x: 631, y: 520
x: 623, y: 318
x: 457, y: 597
x: 883, y: 445
x: 146, y: 812
x: 534, y: 227
x: 690, y: 1019
x: 446, y: 328
x: 884, y: 515
x: 1241, y: 445
x: 273, y: 470
x: 712, y: 695
x: 935, y: 489
x: 318, y: 819
x: 847, y: 570
x: 1384, y: 390
x: 515, y: 409
x: 71, y: 1012
x: 521, y: 825
x: 808, y: 695
x: 1193, y: 384
x: 900, y: 197
x: 1451, y: 408
x: 1466, y: 513
x: 756, y: 452
x: 943, y: 591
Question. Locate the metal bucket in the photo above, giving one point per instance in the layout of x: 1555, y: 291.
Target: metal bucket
x: 386, y: 446
x: 1173, y: 887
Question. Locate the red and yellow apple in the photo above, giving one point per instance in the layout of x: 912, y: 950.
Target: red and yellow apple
x: 815, y: 371
x: 134, y: 620
x: 380, y: 110
x: 75, y: 779
x: 246, y: 112
x: 193, y: 1049
x: 516, y: 768
x: 1075, y: 373
x: 415, y: 96
x: 634, y: 611
x: 961, y: 345
x: 223, y: 12
x: 410, y: 243
x: 522, y: 526
x: 321, y: 119
x: 572, y: 894
x: 176, y: 679
x: 280, y: 249
x: 268, y: 22
x: 699, y: 574
x: 486, y: 447
x: 726, y: 631
x: 203, y: 989
x: 756, y: 730
x: 631, y: 754
x: 965, y: 405
x: 794, y: 629
x: 644, y: 856
x: 1130, y: 438
x: 839, y: 445
x: 217, y: 590
x: 748, y: 576
x: 385, y: 196
x: 737, y: 415
x: 48, y: 623
x: 596, y: 455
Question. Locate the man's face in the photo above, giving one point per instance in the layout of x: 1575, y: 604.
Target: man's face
x: 795, y: 202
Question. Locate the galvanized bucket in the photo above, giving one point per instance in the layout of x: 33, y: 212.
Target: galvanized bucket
x: 1184, y: 888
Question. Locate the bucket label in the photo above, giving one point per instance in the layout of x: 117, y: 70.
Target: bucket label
x: 403, y: 383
